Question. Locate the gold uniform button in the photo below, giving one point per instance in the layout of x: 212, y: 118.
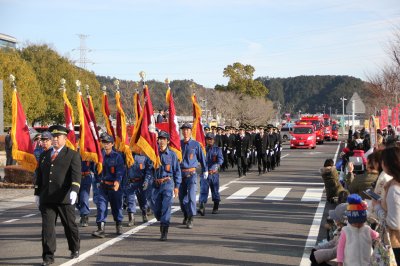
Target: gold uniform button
x: 50, y: 181
x: 51, y: 172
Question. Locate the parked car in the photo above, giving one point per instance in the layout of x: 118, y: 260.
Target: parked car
x: 286, y: 132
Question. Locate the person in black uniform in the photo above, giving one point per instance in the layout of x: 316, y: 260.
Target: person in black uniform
x: 278, y: 146
x: 242, y: 145
x: 253, y: 157
x: 271, y: 147
x: 261, y: 143
x: 8, y: 147
x: 218, y: 139
x: 231, y: 147
x: 58, y: 178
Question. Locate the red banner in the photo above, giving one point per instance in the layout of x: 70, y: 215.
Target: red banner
x: 89, y: 145
x: 107, y: 116
x: 147, y: 129
x: 138, y: 117
x: 197, y: 129
x: 121, y: 143
x: 175, y: 141
x: 22, y: 148
x: 69, y: 122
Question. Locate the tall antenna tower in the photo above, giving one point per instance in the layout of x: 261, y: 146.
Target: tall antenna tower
x: 83, y: 60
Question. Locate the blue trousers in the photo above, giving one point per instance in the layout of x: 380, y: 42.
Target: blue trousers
x: 115, y: 199
x: 95, y: 189
x: 187, y: 195
x: 163, y: 197
x: 211, y: 182
x: 135, y: 191
x: 84, y: 193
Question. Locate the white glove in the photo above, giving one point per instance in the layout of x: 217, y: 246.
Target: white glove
x: 72, y: 196
x: 205, y: 175
x: 37, y: 201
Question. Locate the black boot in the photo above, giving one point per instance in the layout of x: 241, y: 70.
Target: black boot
x: 189, y: 223
x: 100, y: 230
x: 164, y: 233
x: 202, y: 209
x: 84, y: 222
x: 185, y: 220
x: 144, y: 217
x: 215, y: 208
x: 131, y: 218
x: 118, y: 228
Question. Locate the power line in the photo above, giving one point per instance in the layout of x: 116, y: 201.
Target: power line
x: 83, y: 50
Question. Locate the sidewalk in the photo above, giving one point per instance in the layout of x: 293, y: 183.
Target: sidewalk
x: 13, y: 198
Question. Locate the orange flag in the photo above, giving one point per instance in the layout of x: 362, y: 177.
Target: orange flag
x: 69, y: 122
x: 147, y: 129
x: 107, y: 116
x: 197, y: 129
x: 89, y: 145
x: 174, y: 142
x: 121, y: 142
x: 138, y: 118
x: 22, y: 148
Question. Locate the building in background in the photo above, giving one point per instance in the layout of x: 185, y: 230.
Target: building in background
x: 7, y: 41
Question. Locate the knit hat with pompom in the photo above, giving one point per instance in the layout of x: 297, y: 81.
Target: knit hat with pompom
x: 356, y: 209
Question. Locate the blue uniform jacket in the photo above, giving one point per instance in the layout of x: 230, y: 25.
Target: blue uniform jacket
x: 87, y: 166
x: 169, y: 167
x: 113, y: 167
x: 142, y: 167
x: 192, y: 155
x: 214, y: 157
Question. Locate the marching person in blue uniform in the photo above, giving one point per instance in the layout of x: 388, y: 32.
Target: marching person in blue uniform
x: 87, y: 171
x: 214, y: 160
x: 192, y: 156
x: 58, y: 178
x: 109, y: 188
x: 167, y: 181
x: 138, y: 175
x: 38, y: 148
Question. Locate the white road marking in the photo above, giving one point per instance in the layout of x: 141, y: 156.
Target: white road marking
x: 243, y: 193
x: 278, y: 193
x: 279, y: 182
x: 312, y: 195
x: 29, y: 215
x: 10, y: 221
x: 314, y: 229
x: 113, y: 241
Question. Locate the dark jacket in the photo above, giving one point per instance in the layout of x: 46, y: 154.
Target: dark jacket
x: 242, y: 145
x: 55, y: 180
x: 331, y: 180
x: 261, y: 144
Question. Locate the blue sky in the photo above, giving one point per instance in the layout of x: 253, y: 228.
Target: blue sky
x: 197, y: 39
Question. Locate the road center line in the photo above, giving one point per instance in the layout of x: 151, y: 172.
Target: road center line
x: 279, y: 182
x: 29, y: 215
x: 10, y: 221
x: 314, y: 229
x: 133, y: 231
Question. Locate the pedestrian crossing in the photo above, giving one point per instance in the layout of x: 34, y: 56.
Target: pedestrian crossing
x: 276, y: 194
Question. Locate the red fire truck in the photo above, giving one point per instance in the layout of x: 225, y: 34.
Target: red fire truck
x: 327, y: 127
x: 318, y: 122
x: 335, y: 130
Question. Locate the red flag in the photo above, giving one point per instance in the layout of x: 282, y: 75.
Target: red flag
x: 395, y: 117
x: 138, y: 117
x: 121, y: 142
x: 22, y: 148
x: 93, y: 117
x: 89, y: 145
x: 147, y: 128
x: 175, y: 142
x: 107, y: 116
x: 69, y: 122
x: 197, y: 130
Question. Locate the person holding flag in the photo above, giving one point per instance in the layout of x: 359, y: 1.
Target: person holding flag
x: 214, y: 160
x: 166, y: 183
x: 192, y: 156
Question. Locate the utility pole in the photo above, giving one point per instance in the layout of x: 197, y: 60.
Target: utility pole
x: 278, y: 113
x: 344, y: 124
x: 353, y: 107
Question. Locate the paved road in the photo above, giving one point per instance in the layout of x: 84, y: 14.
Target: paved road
x: 263, y: 220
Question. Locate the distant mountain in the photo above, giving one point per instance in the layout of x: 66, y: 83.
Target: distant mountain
x: 311, y: 94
